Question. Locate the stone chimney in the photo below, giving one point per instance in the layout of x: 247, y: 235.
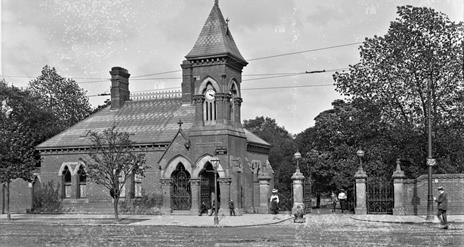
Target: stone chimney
x: 119, y: 87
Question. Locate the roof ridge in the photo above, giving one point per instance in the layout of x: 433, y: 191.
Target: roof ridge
x: 149, y: 95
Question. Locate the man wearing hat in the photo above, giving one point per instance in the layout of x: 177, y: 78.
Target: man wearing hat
x: 442, y: 202
x: 274, y: 202
x: 342, y: 198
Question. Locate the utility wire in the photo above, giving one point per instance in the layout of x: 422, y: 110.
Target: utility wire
x: 243, y: 89
x: 97, y: 79
x: 159, y: 73
x: 287, y: 87
x: 266, y: 57
x: 276, y: 75
x: 268, y: 75
x: 304, y: 51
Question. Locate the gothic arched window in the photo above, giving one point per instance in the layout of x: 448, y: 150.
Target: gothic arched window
x: 66, y: 178
x: 82, y: 176
x: 209, y: 106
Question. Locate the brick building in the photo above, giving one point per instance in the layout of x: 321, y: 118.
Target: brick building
x: 179, y: 132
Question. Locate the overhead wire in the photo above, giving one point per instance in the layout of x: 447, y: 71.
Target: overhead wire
x: 266, y: 57
x: 274, y: 75
x: 138, y: 77
x: 304, y: 51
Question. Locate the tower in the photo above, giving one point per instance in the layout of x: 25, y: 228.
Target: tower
x: 212, y: 74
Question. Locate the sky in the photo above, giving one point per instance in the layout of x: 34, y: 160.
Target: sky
x: 83, y: 39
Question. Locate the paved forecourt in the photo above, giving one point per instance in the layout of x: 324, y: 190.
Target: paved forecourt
x: 318, y: 230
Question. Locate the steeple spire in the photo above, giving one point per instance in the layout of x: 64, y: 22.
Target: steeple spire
x: 215, y: 39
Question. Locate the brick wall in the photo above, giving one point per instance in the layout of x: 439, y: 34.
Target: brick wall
x: 416, y: 190
x: 51, y: 165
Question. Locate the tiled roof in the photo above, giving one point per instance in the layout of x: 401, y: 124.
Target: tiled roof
x: 149, y: 120
x: 215, y: 38
x: 254, y: 138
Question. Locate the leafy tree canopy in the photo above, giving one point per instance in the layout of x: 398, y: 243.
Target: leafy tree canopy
x: 421, y: 46
x: 329, y: 148
x: 282, y: 149
x: 18, y: 136
x: 62, y: 96
x: 422, y: 49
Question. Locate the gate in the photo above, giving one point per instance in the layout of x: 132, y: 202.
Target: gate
x: 181, y: 196
x: 205, y: 191
x: 285, y: 202
x: 307, y: 195
x: 379, y: 196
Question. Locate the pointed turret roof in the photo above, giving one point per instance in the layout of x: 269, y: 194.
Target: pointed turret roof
x: 215, y: 39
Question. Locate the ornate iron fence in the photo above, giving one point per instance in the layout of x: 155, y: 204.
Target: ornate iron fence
x: 351, y: 198
x: 307, y: 195
x: 379, y: 196
x: 285, y: 202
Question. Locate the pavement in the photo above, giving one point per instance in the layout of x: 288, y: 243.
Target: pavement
x: 406, y: 219
x: 224, y: 221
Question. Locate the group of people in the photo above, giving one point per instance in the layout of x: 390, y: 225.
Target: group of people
x: 204, y: 208
x: 442, y: 201
x: 342, y: 198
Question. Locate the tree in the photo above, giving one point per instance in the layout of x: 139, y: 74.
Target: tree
x: 112, y: 160
x: 422, y: 49
x: 329, y: 148
x: 62, y: 96
x: 282, y: 149
x: 19, y: 117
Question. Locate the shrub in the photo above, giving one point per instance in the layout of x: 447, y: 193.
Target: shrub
x: 146, y: 204
x: 46, y: 199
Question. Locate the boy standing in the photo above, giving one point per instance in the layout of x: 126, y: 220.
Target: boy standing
x: 442, y: 202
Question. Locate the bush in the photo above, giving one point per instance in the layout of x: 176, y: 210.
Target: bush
x: 147, y: 205
x: 46, y: 199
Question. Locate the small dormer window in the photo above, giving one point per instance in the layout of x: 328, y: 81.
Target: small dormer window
x: 209, y: 106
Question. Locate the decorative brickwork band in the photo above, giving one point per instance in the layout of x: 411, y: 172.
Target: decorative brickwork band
x: 225, y: 180
x: 238, y: 101
x: 223, y: 97
x: 198, y: 99
x: 165, y: 181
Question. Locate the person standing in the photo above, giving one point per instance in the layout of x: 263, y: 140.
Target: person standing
x: 231, y: 208
x: 274, y: 202
x: 334, y: 199
x: 213, y: 207
x: 203, y: 209
x: 442, y: 202
x: 342, y: 199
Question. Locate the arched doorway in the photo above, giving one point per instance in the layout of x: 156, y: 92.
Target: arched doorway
x: 207, y: 185
x: 181, y: 195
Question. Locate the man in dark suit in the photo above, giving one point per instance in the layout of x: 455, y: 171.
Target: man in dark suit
x: 442, y: 202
